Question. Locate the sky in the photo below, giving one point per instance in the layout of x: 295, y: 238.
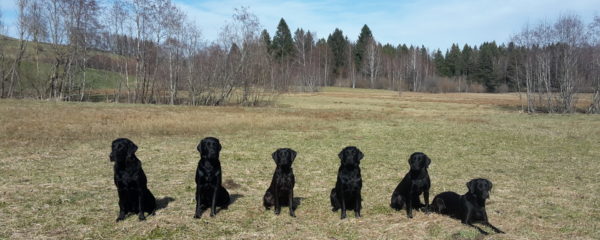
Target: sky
x: 432, y: 23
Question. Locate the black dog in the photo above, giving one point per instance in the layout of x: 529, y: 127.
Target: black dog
x: 281, y: 190
x: 469, y: 208
x: 346, y: 194
x: 134, y: 196
x: 209, y: 191
x: 415, y: 182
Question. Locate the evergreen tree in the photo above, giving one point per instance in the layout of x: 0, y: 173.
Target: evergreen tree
x: 485, y: 66
x: 283, y: 45
x: 337, y: 45
x: 361, y: 46
x: 440, y: 63
x: 454, y: 61
x: 266, y: 38
x: 469, y: 61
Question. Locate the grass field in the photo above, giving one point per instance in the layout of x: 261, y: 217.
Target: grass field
x: 57, y: 179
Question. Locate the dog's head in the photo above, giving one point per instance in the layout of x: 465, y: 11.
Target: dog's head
x: 209, y: 148
x: 122, y: 149
x: 480, y: 187
x: 418, y: 161
x: 284, y: 156
x: 350, y: 156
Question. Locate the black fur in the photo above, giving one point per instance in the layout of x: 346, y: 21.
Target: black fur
x: 346, y: 194
x: 414, y: 183
x: 470, y: 207
x: 281, y: 190
x: 134, y: 196
x: 209, y: 189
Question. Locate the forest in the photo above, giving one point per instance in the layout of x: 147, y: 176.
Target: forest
x: 149, y: 51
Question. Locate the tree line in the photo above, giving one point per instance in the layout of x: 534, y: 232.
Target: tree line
x: 160, y: 56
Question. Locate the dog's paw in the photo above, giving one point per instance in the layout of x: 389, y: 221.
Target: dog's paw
x: 142, y: 218
x: 197, y: 216
x: 120, y: 219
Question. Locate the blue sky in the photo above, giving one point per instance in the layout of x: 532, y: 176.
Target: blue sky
x: 433, y: 23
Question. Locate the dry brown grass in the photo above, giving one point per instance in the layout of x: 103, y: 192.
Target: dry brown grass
x: 57, y: 180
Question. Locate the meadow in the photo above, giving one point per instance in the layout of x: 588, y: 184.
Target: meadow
x: 57, y: 181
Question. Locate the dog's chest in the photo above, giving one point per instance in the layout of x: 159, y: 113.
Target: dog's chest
x: 127, y: 179
x: 351, y: 181
x: 285, y: 181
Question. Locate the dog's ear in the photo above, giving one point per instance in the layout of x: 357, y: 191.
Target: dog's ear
x: 427, y: 161
x: 218, y: 145
x: 359, y: 154
x: 200, y: 146
x: 471, y: 185
x: 275, y: 157
x: 131, y: 149
x: 292, y: 154
x: 342, y: 154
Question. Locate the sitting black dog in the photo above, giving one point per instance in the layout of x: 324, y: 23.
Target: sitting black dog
x: 470, y: 207
x: 346, y: 194
x: 209, y: 191
x: 134, y: 196
x: 415, y: 182
x: 281, y: 190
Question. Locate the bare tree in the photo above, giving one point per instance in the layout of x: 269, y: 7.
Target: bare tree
x: 570, y: 34
x: 373, y: 58
x: 594, y: 33
x: 13, y: 74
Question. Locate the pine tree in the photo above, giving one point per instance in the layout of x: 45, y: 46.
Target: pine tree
x: 454, y: 61
x: 440, y: 63
x: 485, y: 66
x: 361, y: 45
x: 266, y: 38
x: 337, y: 45
x: 468, y: 56
x: 283, y: 45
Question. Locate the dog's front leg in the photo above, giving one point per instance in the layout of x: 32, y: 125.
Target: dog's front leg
x: 122, y: 211
x: 291, y: 202
x: 213, y: 206
x: 357, y: 205
x: 343, y: 200
x: 141, y: 216
x: 487, y: 223
x: 277, y: 203
x: 427, y: 206
x: 198, y: 212
x: 409, y: 203
x: 467, y: 220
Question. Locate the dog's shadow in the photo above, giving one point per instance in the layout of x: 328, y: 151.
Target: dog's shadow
x: 163, y: 202
x: 232, y: 199
x: 297, y: 201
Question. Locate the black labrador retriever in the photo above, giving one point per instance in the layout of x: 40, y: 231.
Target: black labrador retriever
x: 470, y: 207
x: 209, y: 189
x: 134, y: 196
x: 281, y: 190
x: 346, y: 194
x: 414, y: 183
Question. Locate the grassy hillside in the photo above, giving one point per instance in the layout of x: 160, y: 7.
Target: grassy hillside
x: 39, y: 73
x: 57, y: 179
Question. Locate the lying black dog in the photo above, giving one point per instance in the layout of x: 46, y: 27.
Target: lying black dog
x: 415, y: 182
x: 134, y: 196
x: 209, y: 191
x: 281, y: 190
x: 470, y: 207
x: 346, y: 194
